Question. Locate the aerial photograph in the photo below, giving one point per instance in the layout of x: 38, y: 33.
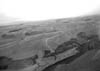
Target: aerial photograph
x: 49, y: 35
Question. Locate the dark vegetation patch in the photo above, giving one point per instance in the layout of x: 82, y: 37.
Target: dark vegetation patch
x: 9, y: 63
x: 37, y: 32
x: 92, y: 42
x: 4, y: 62
x: 8, y: 36
x: 15, y: 30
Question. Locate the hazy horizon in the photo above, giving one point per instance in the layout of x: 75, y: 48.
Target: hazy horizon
x: 23, y: 10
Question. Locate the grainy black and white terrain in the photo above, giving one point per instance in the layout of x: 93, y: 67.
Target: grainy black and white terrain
x: 69, y: 44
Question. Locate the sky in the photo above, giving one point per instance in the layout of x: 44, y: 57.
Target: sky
x: 37, y: 10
